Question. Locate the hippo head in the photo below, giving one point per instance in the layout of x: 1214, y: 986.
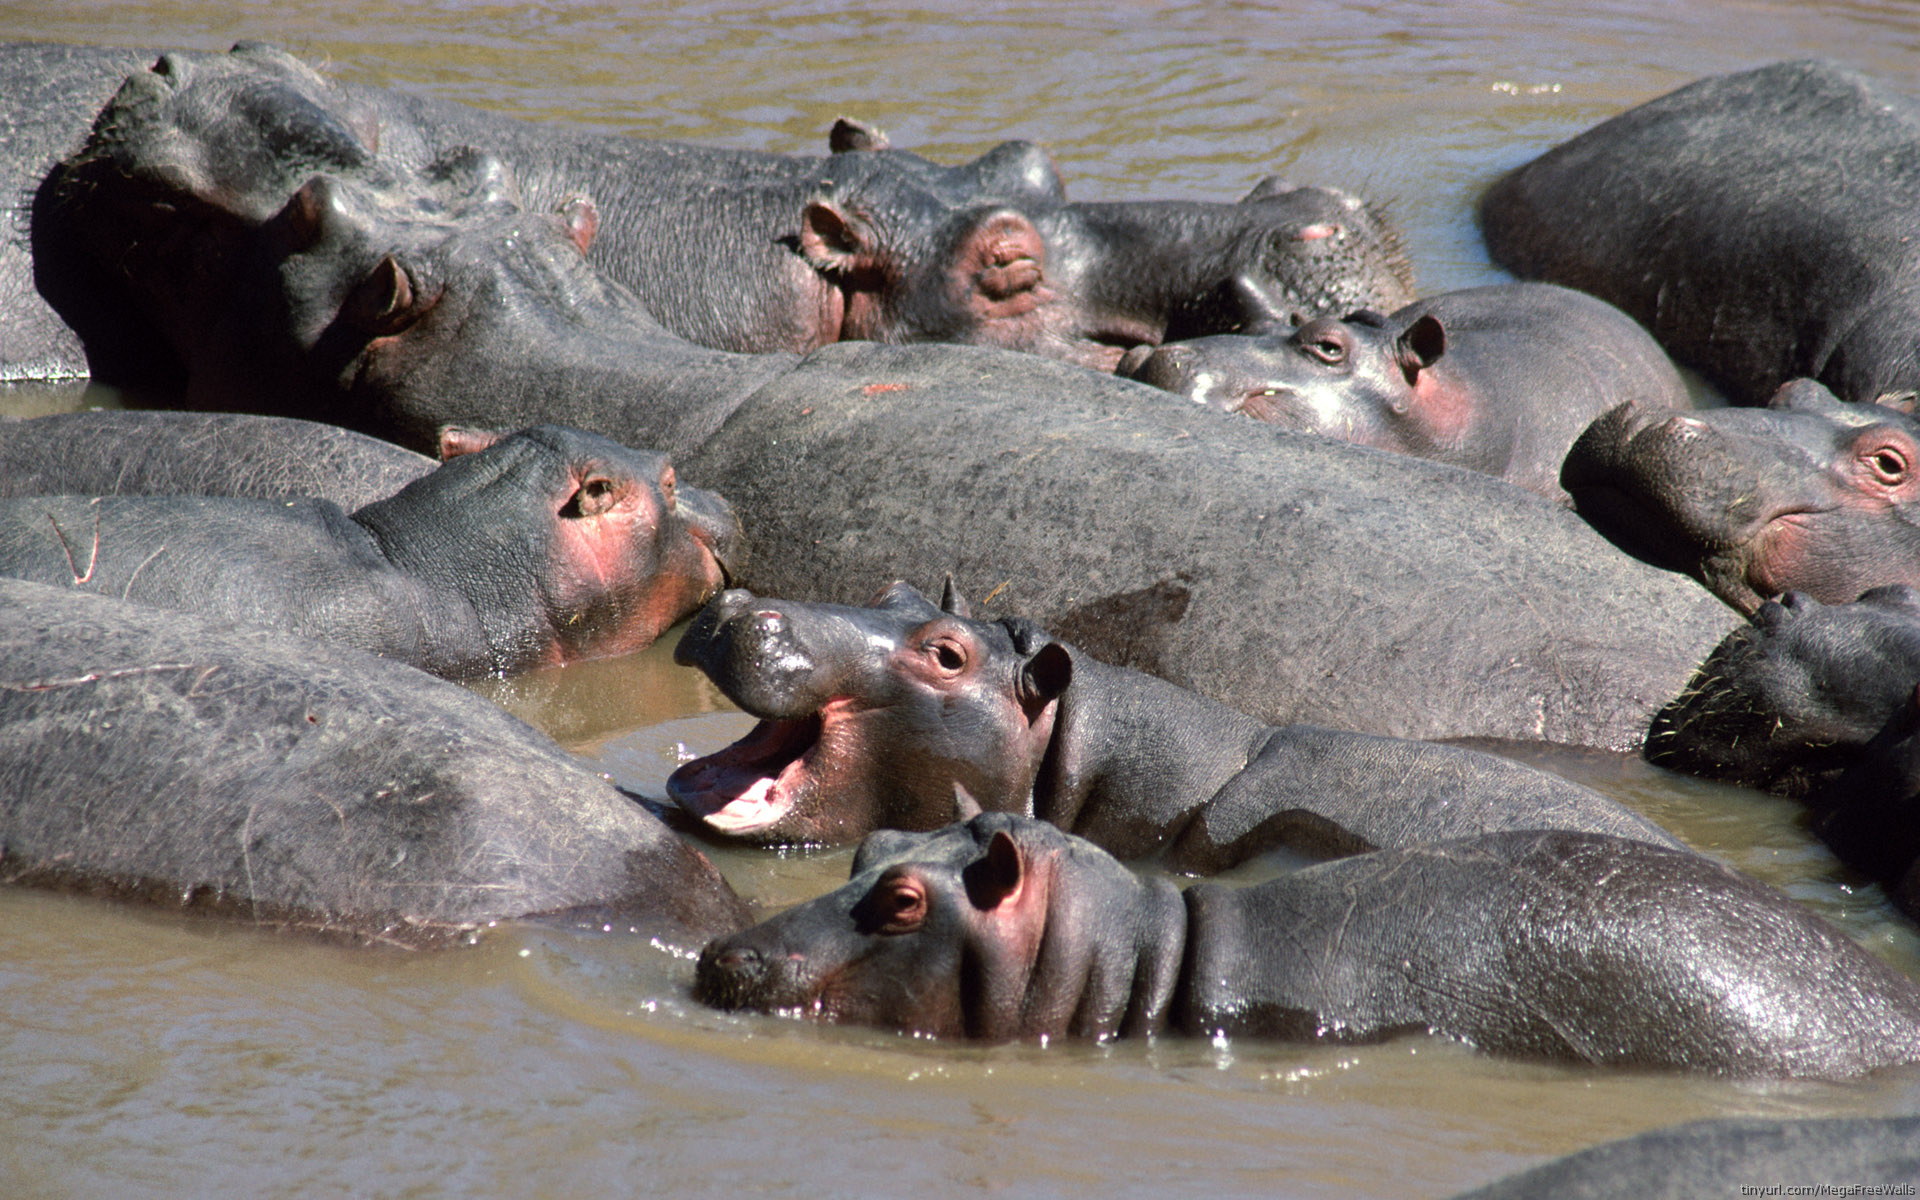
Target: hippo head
x: 1018, y: 172
x: 896, y: 715
x: 1796, y: 694
x: 1003, y: 927
x: 1365, y: 378
x: 569, y: 545
x: 1809, y: 494
x: 1298, y: 253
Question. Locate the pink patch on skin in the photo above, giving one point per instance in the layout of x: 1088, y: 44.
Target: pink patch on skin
x: 1314, y: 233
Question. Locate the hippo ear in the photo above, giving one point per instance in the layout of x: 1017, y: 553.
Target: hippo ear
x: 965, y: 807
x: 1044, y: 677
x: 1259, y: 311
x: 1001, y: 263
x: 837, y: 240
x: 1269, y: 188
x: 994, y: 878
x: 1420, y: 346
x: 952, y: 602
x: 386, y: 301
x: 456, y: 440
x: 848, y: 134
x: 581, y: 216
x: 1906, y: 402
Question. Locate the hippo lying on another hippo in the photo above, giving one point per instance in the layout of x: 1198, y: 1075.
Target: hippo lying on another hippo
x: 147, y: 754
x: 1287, y: 576
x: 1568, y: 946
x: 1759, y: 224
x: 887, y: 717
x: 1808, y: 494
x: 1499, y: 379
x: 115, y: 452
x: 538, y: 548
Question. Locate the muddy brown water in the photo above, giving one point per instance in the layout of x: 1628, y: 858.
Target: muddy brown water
x: 146, y: 1054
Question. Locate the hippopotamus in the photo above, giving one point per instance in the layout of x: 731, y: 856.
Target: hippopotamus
x: 1281, y: 574
x: 157, y: 756
x: 1499, y: 379
x: 1757, y: 223
x: 1808, y: 494
x: 139, y: 452
x: 1794, y: 697
x: 1699, y: 1158
x: 891, y: 715
x: 1870, y: 813
x: 539, y: 548
x: 1084, y: 281
x: 1575, y: 947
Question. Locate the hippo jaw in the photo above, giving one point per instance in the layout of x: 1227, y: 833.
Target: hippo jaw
x: 751, y: 786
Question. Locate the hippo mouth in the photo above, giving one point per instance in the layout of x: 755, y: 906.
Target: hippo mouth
x: 752, y: 784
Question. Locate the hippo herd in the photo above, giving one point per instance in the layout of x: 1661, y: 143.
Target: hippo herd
x: 1266, y: 524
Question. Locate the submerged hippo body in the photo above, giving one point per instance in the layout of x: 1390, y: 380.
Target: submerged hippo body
x: 1498, y: 379
x: 1870, y: 813
x: 153, y: 755
x: 1702, y: 1157
x: 116, y: 452
x: 885, y: 717
x: 1808, y: 494
x: 1575, y: 947
x: 1757, y: 223
x: 1281, y: 574
x: 543, y: 547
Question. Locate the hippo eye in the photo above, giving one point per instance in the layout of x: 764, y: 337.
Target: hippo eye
x: 1328, y: 350
x: 901, y: 904
x: 1888, y: 464
x: 951, y: 655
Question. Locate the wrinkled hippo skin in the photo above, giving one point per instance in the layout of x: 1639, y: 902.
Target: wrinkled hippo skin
x: 539, y: 548
x: 151, y: 755
x: 1499, y: 379
x: 1794, y: 697
x: 888, y: 716
x: 1757, y: 223
x: 120, y: 452
x: 1283, y: 575
x: 1561, y: 946
x: 1701, y: 1158
x: 1808, y: 494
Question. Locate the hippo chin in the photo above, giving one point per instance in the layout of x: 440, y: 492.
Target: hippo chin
x: 904, y: 714
x: 1559, y: 946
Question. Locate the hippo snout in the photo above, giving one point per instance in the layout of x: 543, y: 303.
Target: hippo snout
x: 733, y: 975
x: 714, y: 525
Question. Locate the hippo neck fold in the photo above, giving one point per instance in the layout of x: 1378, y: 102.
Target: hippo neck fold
x: 1132, y: 756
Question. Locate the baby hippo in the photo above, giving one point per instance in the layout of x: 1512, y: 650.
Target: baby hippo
x: 1543, y: 945
x: 904, y: 714
x: 1498, y: 379
x: 538, y: 548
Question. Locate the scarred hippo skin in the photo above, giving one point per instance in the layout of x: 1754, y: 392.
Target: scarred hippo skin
x: 152, y: 755
x: 1808, y: 494
x: 1795, y: 697
x: 1286, y: 576
x: 115, y: 452
x: 1541, y: 945
x: 543, y: 547
x: 1499, y: 379
x: 888, y: 716
x: 1702, y: 1158
x: 1757, y: 223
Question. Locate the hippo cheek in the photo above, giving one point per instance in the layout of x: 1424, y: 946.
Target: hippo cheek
x: 621, y: 581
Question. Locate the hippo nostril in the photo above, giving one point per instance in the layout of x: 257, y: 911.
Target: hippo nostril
x: 736, y: 958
